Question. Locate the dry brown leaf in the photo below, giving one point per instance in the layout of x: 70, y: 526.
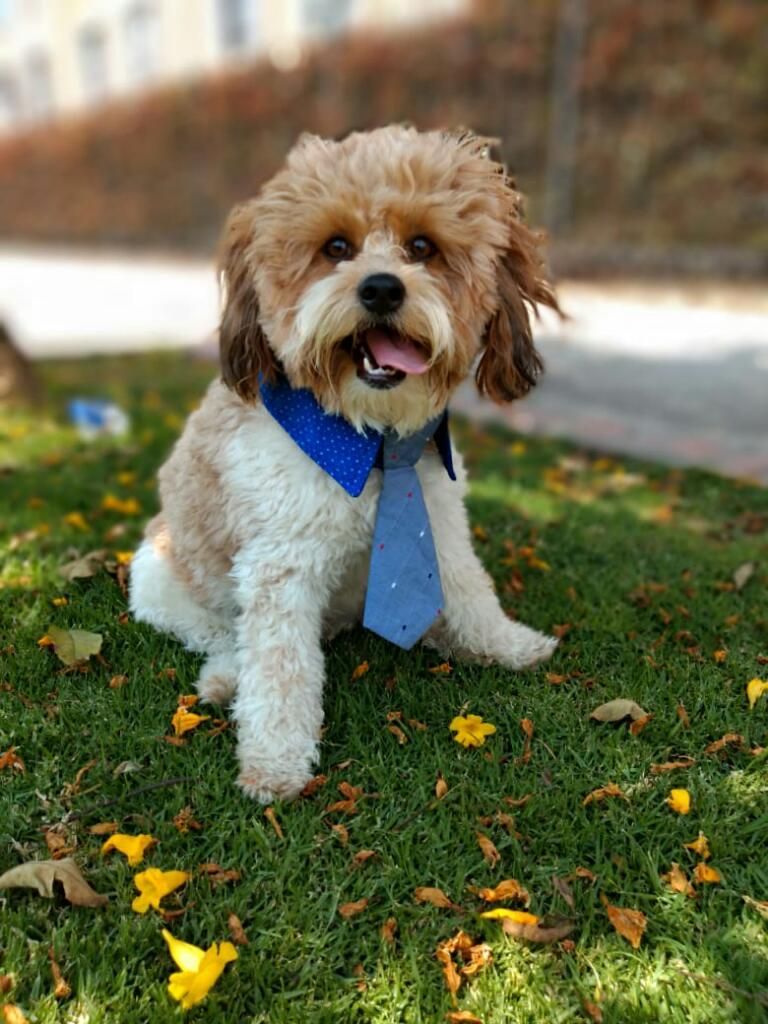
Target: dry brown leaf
x: 549, y: 929
x: 561, y: 886
x: 10, y: 759
x: 630, y: 924
x: 671, y: 766
x: 441, y: 787
x: 59, y: 845
x: 61, y: 990
x: 462, y: 1017
x: 398, y: 733
x: 743, y: 574
x: 443, y: 669
x: 236, y: 930
x: 585, y: 874
x: 117, y: 681
x: 6, y: 984
x: 361, y: 857
x: 13, y: 1015
x: 85, y: 566
x: 477, y: 958
x: 677, y: 880
x: 271, y: 817
x: 342, y: 832
x: 593, y: 1011
x: 637, y: 726
x: 388, y: 930
x: 349, y: 791
x: 700, y: 846
x: 509, y: 889
x: 733, y: 739
x: 527, y: 726
x: 520, y: 801
x: 450, y: 974
x: 617, y: 711
x: 360, y: 671
x: 41, y: 875
x: 313, y: 785
x: 706, y: 875
x: 185, y: 821
x: 218, y: 875
x: 342, y: 807
x: 682, y: 714
x: 348, y: 910
x: 491, y: 854
x: 104, y: 828
x: 603, y: 793
x: 435, y: 897
x: 416, y: 724
x: 556, y: 678
x: 761, y: 906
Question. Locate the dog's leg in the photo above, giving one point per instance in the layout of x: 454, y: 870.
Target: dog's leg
x: 473, y: 624
x: 278, y: 705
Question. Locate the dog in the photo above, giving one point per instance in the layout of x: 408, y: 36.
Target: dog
x: 367, y: 277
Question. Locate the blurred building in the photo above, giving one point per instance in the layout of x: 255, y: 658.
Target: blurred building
x: 64, y: 56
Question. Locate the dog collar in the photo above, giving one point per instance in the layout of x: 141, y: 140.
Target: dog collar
x: 345, y: 453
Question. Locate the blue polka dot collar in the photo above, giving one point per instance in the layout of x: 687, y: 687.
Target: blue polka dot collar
x: 331, y: 441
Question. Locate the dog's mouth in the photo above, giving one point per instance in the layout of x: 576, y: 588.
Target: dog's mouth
x: 384, y: 357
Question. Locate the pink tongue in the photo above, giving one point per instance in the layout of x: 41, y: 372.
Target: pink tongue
x: 396, y: 352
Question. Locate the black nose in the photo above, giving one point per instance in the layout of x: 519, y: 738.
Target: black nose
x: 381, y: 293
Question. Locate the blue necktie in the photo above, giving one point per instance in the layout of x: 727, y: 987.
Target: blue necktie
x: 404, y: 595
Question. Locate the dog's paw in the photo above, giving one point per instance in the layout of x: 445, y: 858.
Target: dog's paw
x: 217, y: 682
x: 268, y: 784
x: 527, y: 647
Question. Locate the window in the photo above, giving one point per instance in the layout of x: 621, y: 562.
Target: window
x: 92, y: 53
x: 39, y: 94
x: 234, y: 24
x: 142, y: 42
x: 326, y: 17
x: 9, y: 102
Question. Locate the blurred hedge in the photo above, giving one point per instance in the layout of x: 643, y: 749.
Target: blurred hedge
x: 673, y: 123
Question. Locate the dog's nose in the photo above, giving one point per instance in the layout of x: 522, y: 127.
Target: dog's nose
x: 381, y: 293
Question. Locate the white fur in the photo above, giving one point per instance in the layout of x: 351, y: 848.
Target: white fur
x: 299, y: 574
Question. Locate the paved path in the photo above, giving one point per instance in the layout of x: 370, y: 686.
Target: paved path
x: 678, y: 374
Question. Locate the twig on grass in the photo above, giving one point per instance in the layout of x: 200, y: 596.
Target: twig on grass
x: 163, y: 784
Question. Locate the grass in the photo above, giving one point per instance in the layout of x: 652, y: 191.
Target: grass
x: 640, y: 560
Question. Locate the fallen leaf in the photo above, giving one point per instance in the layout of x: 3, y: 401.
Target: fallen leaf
x: 682, y: 714
x: 6, y: 983
x: 603, y: 793
x: 236, y: 931
x: 630, y: 924
x: 679, y: 801
x: 478, y: 957
x: 761, y: 906
x: 435, y: 897
x: 313, y: 786
x: 450, y: 974
x: 444, y: 669
x: 271, y: 817
x: 593, y: 1011
x: 732, y: 739
x: 671, y: 766
x: 556, y: 678
x: 10, y: 759
x: 677, y: 880
x: 59, y: 845
x: 618, y: 710
x: 519, y: 801
x: 349, y: 791
x: 398, y: 733
x: 700, y: 846
x: 218, y: 875
x: 720, y: 655
x: 342, y: 832
x: 706, y: 875
x: 527, y: 726
x: 360, y: 671
x: 13, y: 1015
x: 361, y: 857
x: 755, y: 689
x: 342, y: 807
x: 490, y: 853
x: 549, y: 929
x: 441, y: 787
x: 117, y: 681
x: 509, y: 889
x: 585, y: 874
x: 561, y: 886
x: 388, y: 930
x: 85, y: 566
x: 42, y: 874
x: 462, y: 1017
x: 348, y: 910
x: 185, y: 821
x: 637, y: 726
x: 61, y: 990
x: 74, y: 646
x: 743, y: 574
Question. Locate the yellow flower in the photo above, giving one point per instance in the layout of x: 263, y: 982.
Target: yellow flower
x: 755, y: 690
x: 125, y: 506
x: 45, y: 641
x: 76, y: 520
x: 679, y: 800
x: 123, y: 557
x: 705, y: 875
x: 700, y: 846
x: 200, y: 969
x: 153, y: 884
x: 127, y: 478
x: 59, y: 602
x: 471, y: 731
x: 134, y: 847
x: 183, y: 720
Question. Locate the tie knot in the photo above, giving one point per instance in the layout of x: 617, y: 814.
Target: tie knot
x: 399, y: 452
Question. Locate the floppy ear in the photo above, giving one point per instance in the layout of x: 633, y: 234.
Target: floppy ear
x: 510, y: 364
x: 243, y: 347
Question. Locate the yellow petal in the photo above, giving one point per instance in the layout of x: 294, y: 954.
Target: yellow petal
x: 520, y: 916
x: 190, y: 987
x: 133, y: 847
x: 185, y: 955
x: 755, y: 689
x: 700, y: 846
x: 679, y: 800
x: 184, y: 721
x: 704, y: 874
x: 153, y: 884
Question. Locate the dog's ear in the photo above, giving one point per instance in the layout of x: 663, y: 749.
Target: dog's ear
x: 243, y: 347
x: 510, y: 364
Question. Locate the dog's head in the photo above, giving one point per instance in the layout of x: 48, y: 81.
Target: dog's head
x: 374, y: 270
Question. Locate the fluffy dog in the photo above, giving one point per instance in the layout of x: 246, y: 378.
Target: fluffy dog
x: 372, y: 272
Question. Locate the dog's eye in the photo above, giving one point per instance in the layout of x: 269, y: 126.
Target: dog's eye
x: 421, y: 248
x: 338, y: 248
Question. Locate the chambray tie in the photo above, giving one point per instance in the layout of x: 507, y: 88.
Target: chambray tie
x: 404, y: 595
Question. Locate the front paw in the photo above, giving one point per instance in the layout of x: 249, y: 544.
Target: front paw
x: 265, y: 781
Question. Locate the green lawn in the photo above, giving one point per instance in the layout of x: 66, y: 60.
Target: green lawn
x: 632, y: 562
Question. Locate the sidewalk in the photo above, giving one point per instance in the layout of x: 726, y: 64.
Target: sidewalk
x: 674, y: 373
